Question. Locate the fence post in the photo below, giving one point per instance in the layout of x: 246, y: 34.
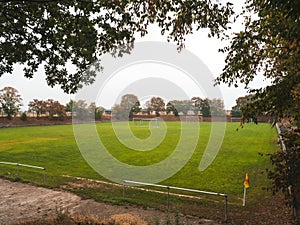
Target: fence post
x: 226, y: 208
x: 17, y: 171
x: 44, y: 176
x: 168, y: 198
x: 123, y: 190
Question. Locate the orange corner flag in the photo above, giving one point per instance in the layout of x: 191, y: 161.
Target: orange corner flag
x: 246, y: 181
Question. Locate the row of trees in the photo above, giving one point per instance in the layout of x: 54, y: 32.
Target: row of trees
x: 11, y: 103
x: 130, y: 105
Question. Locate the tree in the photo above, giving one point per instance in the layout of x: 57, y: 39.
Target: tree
x: 70, y: 105
x: 54, y: 108
x: 181, y: 106
x: 130, y: 104
x: 217, y: 107
x: 236, y: 110
x: 80, y: 109
x: 126, y: 109
x: 10, y: 101
x: 197, y: 103
x: 95, y: 111
x: 147, y: 107
x: 157, y: 104
x: 57, y: 33
x: 37, y: 106
x: 270, y: 45
x: 205, y: 108
x: 171, y: 108
x: 286, y: 173
x: 119, y: 113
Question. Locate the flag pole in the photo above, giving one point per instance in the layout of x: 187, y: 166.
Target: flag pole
x: 244, y: 199
x: 246, y: 185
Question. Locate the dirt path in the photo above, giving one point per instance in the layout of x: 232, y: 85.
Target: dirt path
x: 21, y: 202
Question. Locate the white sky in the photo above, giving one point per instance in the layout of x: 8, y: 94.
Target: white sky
x: 198, y: 43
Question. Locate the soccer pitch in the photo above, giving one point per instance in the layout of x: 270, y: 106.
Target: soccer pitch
x: 55, y: 148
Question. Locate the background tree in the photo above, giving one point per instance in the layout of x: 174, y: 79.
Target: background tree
x: 54, y: 108
x: 182, y: 106
x: 54, y: 33
x: 217, y: 107
x: 10, y: 101
x: 1, y: 111
x: 197, y: 103
x: 157, y: 104
x: 99, y: 112
x: 119, y: 113
x: 131, y: 104
x: 170, y: 108
x: 23, y: 116
x: 70, y: 105
x: 147, y: 107
x: 236, y: 110
x: 80, y: 109
x: 205, y: 108
x: 38, y: 107
x: 95, y: 111
x: 92, y: 108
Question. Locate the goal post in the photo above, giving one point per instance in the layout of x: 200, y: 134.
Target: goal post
x: 138, y: 121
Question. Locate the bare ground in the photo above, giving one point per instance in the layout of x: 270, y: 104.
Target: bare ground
x: 20, y: 202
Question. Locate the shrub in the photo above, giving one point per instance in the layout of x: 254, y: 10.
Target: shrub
x: 23, y: 116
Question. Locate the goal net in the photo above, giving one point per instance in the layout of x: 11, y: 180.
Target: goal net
x: 145, y: 122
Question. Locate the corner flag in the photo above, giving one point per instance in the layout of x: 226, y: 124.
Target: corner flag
x: 246, y: 185
x: 246, y: 181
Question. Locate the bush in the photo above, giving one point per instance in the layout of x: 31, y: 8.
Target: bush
x: 24, y: 116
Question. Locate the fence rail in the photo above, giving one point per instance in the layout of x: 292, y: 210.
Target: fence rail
x: 25, y: 165
x: 180, y: 189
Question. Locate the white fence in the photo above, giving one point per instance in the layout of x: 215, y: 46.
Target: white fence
x: 180, y: 189
x: 24, y: 165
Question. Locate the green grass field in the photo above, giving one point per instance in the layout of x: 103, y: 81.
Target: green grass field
x: 55, y: 148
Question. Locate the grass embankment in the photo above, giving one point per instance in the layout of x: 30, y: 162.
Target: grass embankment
x: 54, y: 147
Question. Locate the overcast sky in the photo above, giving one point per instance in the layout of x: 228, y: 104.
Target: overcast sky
x: 198, y: 43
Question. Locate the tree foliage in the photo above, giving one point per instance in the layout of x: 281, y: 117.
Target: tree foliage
x: 217, y: 107
x: 180, y: 106
x: 79, y: 109
x: 269, y: 45
x: 55, y: 109
x: 157, y: 105
x: 10, y: 101
x: 74, y: 33
x: 240, y: 109
x: 50, y: 107
x: 129, y: 105
x: 38, y: 107
x: 95, y: 110
x: 286, y: 173
x: 170, y: 108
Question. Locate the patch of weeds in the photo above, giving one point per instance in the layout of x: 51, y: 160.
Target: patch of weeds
x: 17, y: 179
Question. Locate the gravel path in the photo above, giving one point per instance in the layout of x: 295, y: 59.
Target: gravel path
x: 21, y: 202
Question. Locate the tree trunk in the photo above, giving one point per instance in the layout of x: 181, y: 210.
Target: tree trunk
x: 296, y: 208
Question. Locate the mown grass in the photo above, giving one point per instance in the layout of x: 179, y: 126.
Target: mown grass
x: 54, y: 147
